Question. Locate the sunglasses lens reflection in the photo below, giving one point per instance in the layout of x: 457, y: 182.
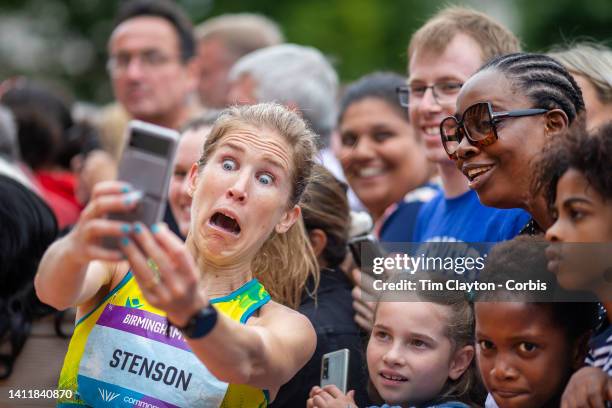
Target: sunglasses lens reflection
x: 449, y: 129
x: 477, y: 121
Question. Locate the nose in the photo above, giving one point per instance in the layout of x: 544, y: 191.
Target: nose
x: 428, y: 102
x: 503, y: 370
x: 394, y: 356
x: 133, y: 70
x: 363, y: 148
x: 465, y: 150
x: 237, y: 191
x: 553, y: 234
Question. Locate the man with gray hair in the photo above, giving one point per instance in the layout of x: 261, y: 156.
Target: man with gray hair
x: 221, y: 41
x: 294, y: 75
x: 298, y: 77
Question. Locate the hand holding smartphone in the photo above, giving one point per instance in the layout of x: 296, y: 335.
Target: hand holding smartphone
x: 334, y: 369
x: 146, y: 163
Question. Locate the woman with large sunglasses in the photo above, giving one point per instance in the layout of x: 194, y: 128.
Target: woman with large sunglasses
x: 508, y: 112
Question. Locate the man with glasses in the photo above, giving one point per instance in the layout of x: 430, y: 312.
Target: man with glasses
x: 151, y: 62
x: 443, y: 54
x: 153, y: 74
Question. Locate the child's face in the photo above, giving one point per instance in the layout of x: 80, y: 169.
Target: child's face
x: 523, y: 356
x: 409, y: 354
x: 583, y: 219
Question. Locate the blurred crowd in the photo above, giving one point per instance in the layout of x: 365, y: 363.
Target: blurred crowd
x: 478, y: 141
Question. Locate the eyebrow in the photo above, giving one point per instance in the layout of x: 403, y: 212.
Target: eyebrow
x: 412, y: 334
x: 529, y: 338
x: 573, y: 200
x: 381, y: 326
x: 266, y: 157
x: 523, y: 337
x: 440, y: 80
x: 380, y: 126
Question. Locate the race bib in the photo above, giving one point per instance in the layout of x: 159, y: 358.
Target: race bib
x: 130, y: 362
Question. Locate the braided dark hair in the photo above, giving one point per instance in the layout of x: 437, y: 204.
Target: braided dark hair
x: 544, y: 80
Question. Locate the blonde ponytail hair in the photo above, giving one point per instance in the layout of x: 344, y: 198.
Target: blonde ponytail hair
x: 284, y: 264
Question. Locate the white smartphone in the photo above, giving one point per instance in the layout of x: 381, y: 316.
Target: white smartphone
x: 334, y: 369
x: 147, y: 163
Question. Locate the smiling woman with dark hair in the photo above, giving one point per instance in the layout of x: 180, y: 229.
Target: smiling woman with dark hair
x: 508, y: 112
x: 383, y: 159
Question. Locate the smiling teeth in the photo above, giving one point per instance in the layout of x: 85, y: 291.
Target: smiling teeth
x: 432, y: 131
x: 393, y: 377
x: 370, y: 172
x: 476, y: 172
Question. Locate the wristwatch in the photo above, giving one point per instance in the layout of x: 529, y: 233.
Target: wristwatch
x: 201, y: 323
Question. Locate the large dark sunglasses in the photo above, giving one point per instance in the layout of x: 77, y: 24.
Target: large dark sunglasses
x: 478, y: 124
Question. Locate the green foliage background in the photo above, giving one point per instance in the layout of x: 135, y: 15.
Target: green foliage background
x: 68, y: 37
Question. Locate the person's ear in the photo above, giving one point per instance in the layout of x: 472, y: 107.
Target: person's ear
x: 288, y: 219
x: 193, y: 179
x: 318, y: 240
x: 556, y: 122
x: 581, y: 347
x: 461, y: 361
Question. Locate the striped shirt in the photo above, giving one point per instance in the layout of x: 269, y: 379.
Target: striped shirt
x: 600, y: 353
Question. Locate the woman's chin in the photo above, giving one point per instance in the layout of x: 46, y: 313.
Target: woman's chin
x: 490, y: 198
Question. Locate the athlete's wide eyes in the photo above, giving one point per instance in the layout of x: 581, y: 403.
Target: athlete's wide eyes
x: 265, y: 178
x: 228, y: 164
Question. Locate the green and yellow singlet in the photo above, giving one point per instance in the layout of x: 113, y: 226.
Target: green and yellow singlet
x: 123, y: 354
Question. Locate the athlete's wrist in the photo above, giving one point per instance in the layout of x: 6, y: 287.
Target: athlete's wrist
x: 181, y: 317
x: 201, y: 323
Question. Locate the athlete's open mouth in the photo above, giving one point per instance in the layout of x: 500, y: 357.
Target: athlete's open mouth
x: 225, y: 222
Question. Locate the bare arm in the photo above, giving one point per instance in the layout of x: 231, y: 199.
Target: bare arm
x: 265, y: 353
x: 63, y: 282
x: 66, y: 276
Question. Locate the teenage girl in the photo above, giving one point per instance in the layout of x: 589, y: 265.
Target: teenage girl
x: 420, y: 353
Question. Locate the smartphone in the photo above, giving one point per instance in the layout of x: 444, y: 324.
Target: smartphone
x: 147, y: 163
x: 365, y: 246
x: 334, y: 369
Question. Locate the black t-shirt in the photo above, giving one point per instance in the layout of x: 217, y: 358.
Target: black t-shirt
x: 332, y: 318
